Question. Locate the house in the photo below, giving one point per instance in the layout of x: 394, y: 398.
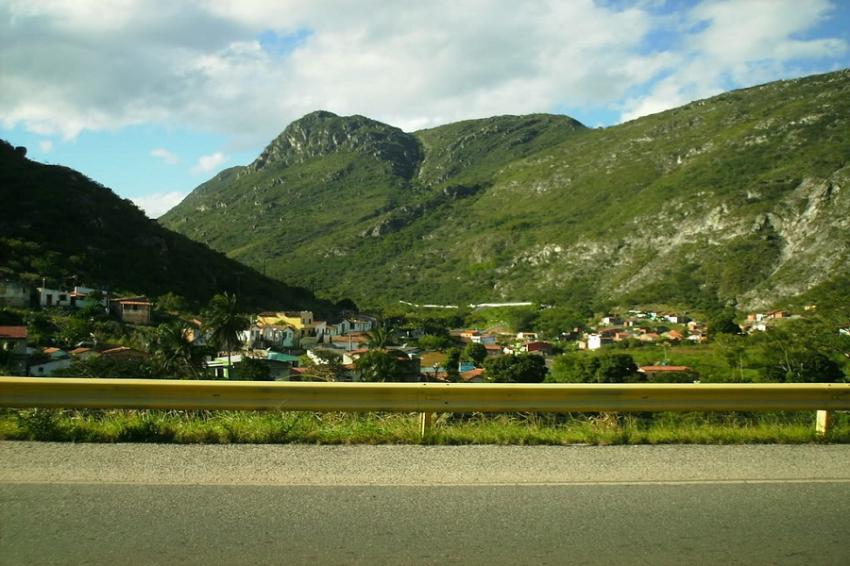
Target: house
x: 538, y: 346
x: 14, y: 339
x: 83, y: 353
x: 14, y: 294
x: 123, y: 353
x: 596, y: 340
x: 611, y: 320
x: 351, y: 341
x: 82, y: 297
x: 49, y: 361
x: 133, y: 310
x: 526, y: 336
x: 472, y: 376
x: 674, y: 336
x: 483, y: 339
x: 775, y: 315
x: 52, y: 297
x: 494, y: 350
x: 270, y: 336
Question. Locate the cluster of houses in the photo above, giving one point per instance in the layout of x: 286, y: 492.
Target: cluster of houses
x: 134, y: 310
x: 644, y: 326
x: 45, y: 361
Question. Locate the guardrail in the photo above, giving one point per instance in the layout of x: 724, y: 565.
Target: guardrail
x: 424, y: 398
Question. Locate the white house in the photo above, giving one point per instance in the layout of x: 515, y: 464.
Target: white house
x: 275, y: 335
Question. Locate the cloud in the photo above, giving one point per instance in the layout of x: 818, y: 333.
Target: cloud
x: 166, y: 156
x: 157, y: 204
x: 245, y: 69
x: 208, y: 163
x: 46, y: 146
x: 729, y: 45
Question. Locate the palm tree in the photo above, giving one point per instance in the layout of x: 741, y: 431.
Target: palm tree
x: 222, y: 321
x: 379, y: 338
x: 174, y: 352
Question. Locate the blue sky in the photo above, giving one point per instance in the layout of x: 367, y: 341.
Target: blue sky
x: 151, y: 97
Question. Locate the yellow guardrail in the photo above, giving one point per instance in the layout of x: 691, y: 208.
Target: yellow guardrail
x: 426, y: 398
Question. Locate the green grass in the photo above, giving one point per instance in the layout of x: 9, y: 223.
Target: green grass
x: 222, y: 427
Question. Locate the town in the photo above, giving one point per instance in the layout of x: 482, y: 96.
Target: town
x: 83, y: 331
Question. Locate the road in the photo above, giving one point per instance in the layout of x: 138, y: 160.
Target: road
x: 155, y: 504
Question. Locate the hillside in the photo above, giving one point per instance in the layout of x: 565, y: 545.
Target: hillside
x: 741, y: 197
x: 56, y: 223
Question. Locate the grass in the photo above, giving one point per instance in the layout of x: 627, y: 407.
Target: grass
x: 274, y: 427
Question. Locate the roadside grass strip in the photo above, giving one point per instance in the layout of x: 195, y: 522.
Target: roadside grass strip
x: 279, y: 427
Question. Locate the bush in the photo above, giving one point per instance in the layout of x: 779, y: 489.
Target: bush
x: 522, y: 368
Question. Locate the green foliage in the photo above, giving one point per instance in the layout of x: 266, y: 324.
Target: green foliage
x: 174, y: 354
x: 452, y: 363
x: 522, y: 368
x: 223, y: 320
x: 723, y: 323
x: 250, y: 369
x: 379, y: 365
x: 606, y: 367
x: 679, y: 207
x: 435, y: 342
x: 476, y: 353
x: 58, y: 223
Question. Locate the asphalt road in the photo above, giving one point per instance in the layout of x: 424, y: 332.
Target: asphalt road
x: 137, y: 504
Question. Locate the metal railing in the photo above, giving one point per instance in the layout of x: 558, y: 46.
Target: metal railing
x: 424, y: 398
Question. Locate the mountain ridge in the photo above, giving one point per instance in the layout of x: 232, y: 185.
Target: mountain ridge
x: 59, y: 224
x: 733, y: 198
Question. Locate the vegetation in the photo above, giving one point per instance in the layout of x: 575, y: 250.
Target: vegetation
x: 701, y: 205
x: 58, y: 225
x: 521, y: 368
x: 204, y: 427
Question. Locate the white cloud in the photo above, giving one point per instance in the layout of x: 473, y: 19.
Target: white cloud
x: 46, y: 146
x: 166, y: 156
x: 737, y: 44
x: 208, y: 163
x: 157, y: 204
x: 200, y: 65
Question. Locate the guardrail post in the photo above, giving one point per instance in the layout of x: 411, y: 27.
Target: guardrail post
x: 425, y: 422
x: 823, y: 422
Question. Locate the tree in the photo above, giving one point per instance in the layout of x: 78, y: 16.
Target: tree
x: 331, y: 368
x: 805, y: 367
x: 378, y: 365
x: 379, y: 338
x: 723, y: 323
x: 522, y: 368
x: 452, y: 363
x: 733, y: 348
x: 250, y: 369
x: 604, y: 368
x: 477, y: 353
x: 223, y: 321
x: 173, y: 352
x: 434, y: 342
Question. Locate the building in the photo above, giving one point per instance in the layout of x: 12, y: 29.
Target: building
x: 14, y: 294
x: 133, y: 310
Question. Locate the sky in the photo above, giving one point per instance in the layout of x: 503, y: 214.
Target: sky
x: 151, y: 98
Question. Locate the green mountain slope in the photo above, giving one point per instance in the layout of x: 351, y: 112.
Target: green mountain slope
x: 56, y: 223
x: 738, y: 197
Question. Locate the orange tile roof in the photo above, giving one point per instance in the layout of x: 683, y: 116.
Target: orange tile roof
x: 13, y: 332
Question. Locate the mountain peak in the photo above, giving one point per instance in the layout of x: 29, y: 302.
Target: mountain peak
x: 322, y: 133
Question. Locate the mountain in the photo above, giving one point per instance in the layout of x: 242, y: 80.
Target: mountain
x: 57, y: 223
x: 741, y: 197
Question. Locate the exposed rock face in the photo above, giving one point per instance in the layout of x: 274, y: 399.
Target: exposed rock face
x: 742, y: 196
x: 322, y: 133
